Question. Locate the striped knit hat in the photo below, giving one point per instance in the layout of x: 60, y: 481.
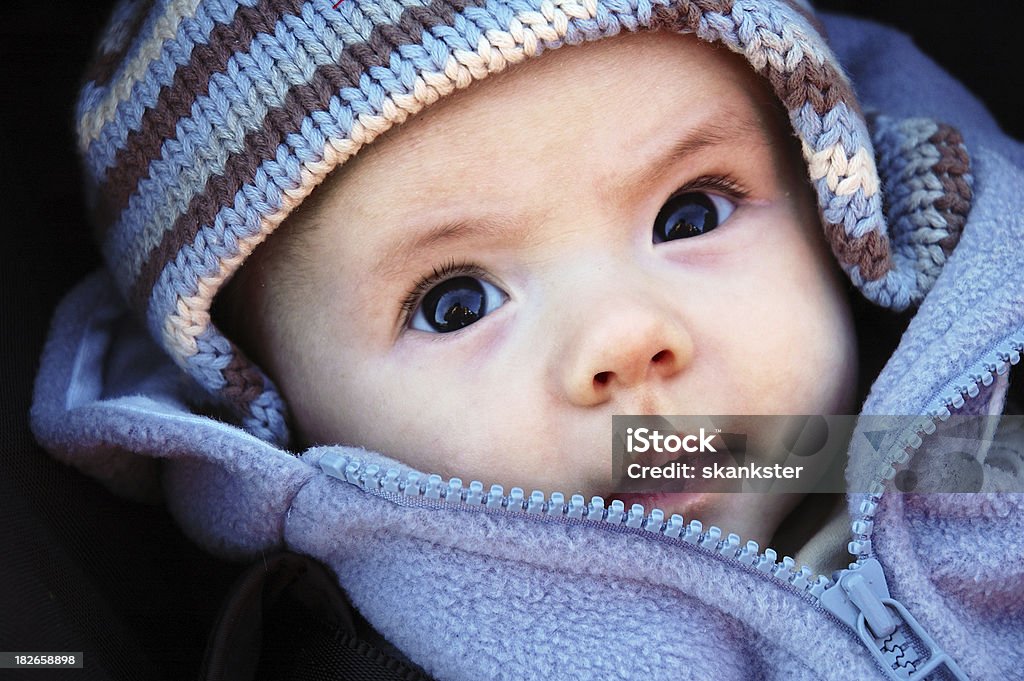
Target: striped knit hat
x: 204, y: 123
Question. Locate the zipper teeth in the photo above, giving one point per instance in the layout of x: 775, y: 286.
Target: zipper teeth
x: 372, y: 478
x: 952, y: 397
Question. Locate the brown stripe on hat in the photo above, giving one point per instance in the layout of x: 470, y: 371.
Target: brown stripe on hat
x: 191, y: 81
x: 104, y: 65
x: 244, y: 382
x: 301, y: 100
x: 952, y: 169
x: 870, y: 252
x: 823, y: 85
x: 686, y: 17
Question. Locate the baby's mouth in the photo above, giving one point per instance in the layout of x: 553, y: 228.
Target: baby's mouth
x: 683, y: 493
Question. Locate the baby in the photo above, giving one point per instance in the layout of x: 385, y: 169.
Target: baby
x: 622, y: 228
x: 389, y: 253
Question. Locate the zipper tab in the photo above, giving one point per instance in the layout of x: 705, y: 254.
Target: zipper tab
x: 897, y: 641
x: 863, y: 596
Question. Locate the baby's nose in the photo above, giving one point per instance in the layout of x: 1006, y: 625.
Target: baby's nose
x: 626, y: 344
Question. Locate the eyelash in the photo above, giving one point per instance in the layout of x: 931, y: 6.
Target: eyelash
x: 448, y: 270
x: 722, y: 184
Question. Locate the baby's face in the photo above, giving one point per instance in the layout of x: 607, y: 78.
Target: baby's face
x: 622, y: 227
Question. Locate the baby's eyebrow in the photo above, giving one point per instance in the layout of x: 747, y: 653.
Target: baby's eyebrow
x: 495, y: 227
x: 720, y: 127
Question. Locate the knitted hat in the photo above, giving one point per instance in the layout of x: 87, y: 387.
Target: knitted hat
x: 204, y: 123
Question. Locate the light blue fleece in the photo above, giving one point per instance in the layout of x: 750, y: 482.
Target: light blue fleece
x: 467, y: 593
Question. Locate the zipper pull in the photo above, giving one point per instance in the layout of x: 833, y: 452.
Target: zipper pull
x: 897, y: 641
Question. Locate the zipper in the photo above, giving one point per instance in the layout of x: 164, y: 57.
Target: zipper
x: 860, y: 596
x: 857, y: 596
x: 952, y: 396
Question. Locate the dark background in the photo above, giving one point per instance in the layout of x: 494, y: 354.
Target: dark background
x: 83, y: 570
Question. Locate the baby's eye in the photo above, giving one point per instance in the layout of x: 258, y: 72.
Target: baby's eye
x: 456, y: 303
x: 691, y: 214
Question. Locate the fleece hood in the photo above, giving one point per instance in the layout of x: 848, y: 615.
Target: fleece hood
x: 470, y: 581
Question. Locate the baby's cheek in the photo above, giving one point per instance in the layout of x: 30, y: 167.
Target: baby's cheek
x: 830, y: 356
